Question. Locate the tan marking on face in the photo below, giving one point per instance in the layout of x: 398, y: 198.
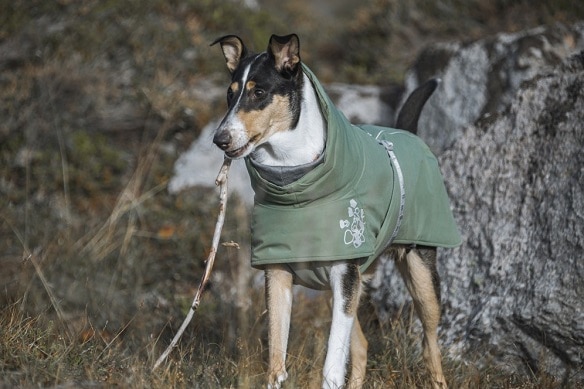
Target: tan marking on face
x: 234, y: 87
x: 261, y: 124
x: 250, y: 85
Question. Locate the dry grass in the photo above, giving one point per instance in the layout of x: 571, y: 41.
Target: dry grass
x: 98, y: 262
x: 35, y: 351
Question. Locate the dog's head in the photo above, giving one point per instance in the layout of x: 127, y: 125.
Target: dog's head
x: 264, y: 95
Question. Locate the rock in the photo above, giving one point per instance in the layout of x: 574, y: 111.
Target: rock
x: 369, y: 104
x: 517, y: 188
x: 514, y: 290
x: 481, y: 78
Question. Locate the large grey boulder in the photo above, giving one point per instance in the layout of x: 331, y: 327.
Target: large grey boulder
x: 515, y: 289
x: 482, y: 77
x: 517, y: 188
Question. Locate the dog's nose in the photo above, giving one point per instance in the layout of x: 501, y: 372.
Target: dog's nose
x: 222, y: 139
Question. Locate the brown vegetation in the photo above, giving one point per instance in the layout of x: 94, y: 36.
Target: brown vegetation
x: 98, y: 262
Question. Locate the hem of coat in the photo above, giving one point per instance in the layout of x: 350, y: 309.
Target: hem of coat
x: 259, y: 264
x: 446, y: 245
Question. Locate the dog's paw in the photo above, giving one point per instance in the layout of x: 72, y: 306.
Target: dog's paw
x: 277, y: 379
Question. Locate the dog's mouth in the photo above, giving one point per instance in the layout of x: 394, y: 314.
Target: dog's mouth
x: 242, y: 151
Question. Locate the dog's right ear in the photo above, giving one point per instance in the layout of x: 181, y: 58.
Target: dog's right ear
x: 233, y: 50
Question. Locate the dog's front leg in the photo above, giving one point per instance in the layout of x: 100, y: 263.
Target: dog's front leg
x: 279, y: 303
x: 345, y: 281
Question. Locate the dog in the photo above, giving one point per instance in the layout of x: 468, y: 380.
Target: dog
x: 302, y: 155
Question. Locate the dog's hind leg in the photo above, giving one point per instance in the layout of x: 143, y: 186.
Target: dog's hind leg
x: 345, y: 281
x: 279, y: 303
x: 418, y: 268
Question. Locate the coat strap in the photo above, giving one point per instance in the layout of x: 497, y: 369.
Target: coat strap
x: 389, y: 147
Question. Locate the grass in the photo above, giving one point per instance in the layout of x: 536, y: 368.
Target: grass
x: 37, y: 351
x: 99, y: 263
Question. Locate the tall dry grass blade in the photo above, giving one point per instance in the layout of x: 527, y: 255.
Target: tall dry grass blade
x: 32, y: 257
x: 221, y: 181
x: 64, y: 174
x: 28, y: 255
x: 99, y: 242
x: 111, y: 342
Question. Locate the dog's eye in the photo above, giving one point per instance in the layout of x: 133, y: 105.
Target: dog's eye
x: 259, y: 93
x: 229, y: 94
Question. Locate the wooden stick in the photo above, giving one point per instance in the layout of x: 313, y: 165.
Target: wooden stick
x: 221, y: 181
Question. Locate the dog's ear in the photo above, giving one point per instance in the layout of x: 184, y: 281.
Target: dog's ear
x: 286, y: 52
x: 233, y: 50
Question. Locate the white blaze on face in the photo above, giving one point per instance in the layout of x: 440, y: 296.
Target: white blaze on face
x: 232, y: 123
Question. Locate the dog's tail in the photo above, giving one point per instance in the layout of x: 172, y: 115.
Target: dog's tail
x: 408, y: 116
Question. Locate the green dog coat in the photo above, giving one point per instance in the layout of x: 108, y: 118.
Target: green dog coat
x: 352, y: 203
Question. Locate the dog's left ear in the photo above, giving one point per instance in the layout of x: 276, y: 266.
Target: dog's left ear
x: 233, y: 50
x: 286, y: 52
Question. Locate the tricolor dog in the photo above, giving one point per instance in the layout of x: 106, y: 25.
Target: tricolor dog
x: 330, y: 198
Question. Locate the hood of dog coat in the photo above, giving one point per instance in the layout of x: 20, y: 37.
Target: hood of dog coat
x: 347, y: 206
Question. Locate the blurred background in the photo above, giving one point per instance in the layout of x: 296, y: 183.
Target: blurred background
x: 99, y: 261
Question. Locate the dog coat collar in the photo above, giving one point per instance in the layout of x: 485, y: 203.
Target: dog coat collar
x: 284, y: 175
x: 348, y: 206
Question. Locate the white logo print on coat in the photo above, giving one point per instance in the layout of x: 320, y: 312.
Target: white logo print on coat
x: 354, y: 226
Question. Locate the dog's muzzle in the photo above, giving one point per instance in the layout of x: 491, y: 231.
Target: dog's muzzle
x: 224, y: 140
